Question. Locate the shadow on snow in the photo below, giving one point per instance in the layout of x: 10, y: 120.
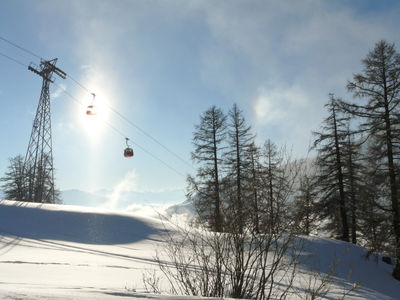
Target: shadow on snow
x: 79, y: 227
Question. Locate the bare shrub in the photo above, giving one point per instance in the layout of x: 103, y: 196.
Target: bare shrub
x: 238, y: 265
x: 314, y: 284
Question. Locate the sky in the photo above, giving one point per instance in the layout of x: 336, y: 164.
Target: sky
x: 160, y: 64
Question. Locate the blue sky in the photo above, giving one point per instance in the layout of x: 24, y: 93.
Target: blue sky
x: 162, y: 63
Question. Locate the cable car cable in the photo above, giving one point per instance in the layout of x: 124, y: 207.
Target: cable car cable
x: 144, y: 150
x: 124, y: 136
x: 111, y: 126
x: 19, y: 47
x: 149, y: 136
x: 135, y: 126
x: 77, y: 82
x: 110, y: 107
x: 14, y: 60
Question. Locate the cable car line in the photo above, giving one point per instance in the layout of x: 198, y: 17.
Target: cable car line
x: 134, y: 125
x: 14, y: 60
x: 109, y: 107
x: 123, y: 135
x: 144, y: 150
x: 161, y: 161
x: 19, y: 47
x: 86, y: 89
x: 77, y: 82
x: 111, y: 126
x: 149, y: 136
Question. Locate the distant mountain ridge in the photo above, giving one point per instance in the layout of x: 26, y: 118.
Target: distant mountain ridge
x: 121, y: 200
x: 173, y: 198
x: 78, y: 197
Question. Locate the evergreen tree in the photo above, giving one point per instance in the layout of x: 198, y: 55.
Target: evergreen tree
x: 271, y: 175
x: 205, y: 189
x: 379, y: 86
x: 329, y: 144
x: 237, y: 163
x: 254, y: 186
x: 13, y: 181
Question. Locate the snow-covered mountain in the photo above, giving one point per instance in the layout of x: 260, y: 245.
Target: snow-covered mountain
x: 73, y: 252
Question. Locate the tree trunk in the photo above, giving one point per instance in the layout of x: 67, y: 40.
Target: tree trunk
x: 238, y: 184
x: 255, y: 198
x: 217, y: 213
x: 352, y: 195
x: 345, y: 227
x: 271, y: 194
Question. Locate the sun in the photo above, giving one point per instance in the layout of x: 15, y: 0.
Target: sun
x: 94, y: 115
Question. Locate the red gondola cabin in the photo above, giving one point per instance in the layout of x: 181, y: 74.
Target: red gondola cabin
x: 128, y: 152
x: 91, y: 111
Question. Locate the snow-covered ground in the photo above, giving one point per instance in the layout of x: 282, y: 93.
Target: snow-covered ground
x: 70, y: 252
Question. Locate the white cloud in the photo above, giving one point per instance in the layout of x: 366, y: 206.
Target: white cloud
x: 267, y: 110
x: 127, y: 184
x: 287, y: 115
x: 276, y: 105
x: 308, y: 43
x: 286, y: 56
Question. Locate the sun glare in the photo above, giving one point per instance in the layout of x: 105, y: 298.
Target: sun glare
x: 94, y: 114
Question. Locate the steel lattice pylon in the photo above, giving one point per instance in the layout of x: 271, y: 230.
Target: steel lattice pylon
x: 38, y: 164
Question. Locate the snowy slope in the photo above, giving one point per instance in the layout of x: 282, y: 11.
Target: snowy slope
x: 68, y: 252
x: 373, y: 275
